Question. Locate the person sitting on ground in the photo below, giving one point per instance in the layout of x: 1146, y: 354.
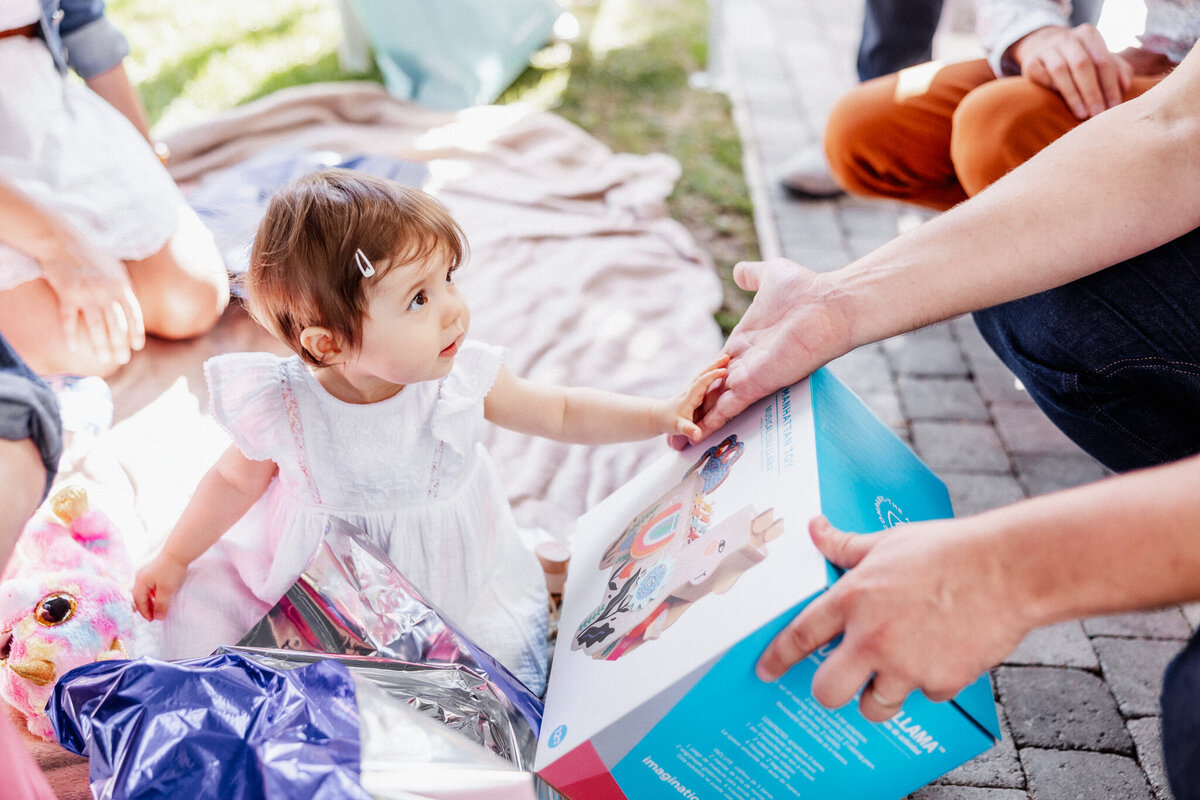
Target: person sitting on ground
x: 30, y: 447
x: 97, y: 246
x: 936, y: 133
x: 1110, y: 353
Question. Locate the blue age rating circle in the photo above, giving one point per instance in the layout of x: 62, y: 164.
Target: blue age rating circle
x: 557, y: 735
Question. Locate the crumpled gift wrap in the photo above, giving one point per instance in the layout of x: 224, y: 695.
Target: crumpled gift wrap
x: 352, y: 601
x: 217, y: 727
x: 251, y: 725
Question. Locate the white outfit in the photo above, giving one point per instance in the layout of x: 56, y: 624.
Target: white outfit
x: 72, y: 152
x: 410, y: 471
x: 19, y: 13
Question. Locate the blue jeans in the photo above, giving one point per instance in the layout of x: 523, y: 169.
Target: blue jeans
x: 28, y: 409
x: 1113, y: 359
x: 1181, y: 722
x: 899, y: 33
x: 896, y: 34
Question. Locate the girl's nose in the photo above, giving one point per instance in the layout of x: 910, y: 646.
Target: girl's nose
x: 454, y: 309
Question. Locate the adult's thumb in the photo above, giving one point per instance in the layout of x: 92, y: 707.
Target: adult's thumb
x: 844, y: 550
x: 746, y: 274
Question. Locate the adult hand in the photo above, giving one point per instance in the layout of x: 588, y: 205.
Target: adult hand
x: 96, y: 303
x: 923, y: 606
x: 788, y: 331
x: 1076, y: 63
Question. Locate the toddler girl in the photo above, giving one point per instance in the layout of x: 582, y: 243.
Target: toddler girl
x: 376, y: 419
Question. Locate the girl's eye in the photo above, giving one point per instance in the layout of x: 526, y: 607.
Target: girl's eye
x: 417, y: 302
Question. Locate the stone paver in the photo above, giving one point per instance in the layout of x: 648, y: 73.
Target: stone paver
x: 1147, y: 737
x: 998, y: 768
x: 941, y: 398
x: 1063, y: 709
x: 961, y: 446
x: 944, y: 792
x: 1081, y: 698
x: 1062, y: 645
x: 1166, y: 623
x: 1134, y: 669
x: 1074, y: 775
x: 1040, y: 473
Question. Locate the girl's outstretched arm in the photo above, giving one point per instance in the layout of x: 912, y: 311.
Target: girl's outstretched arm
x: 224, y: 494
x: 594, y: 416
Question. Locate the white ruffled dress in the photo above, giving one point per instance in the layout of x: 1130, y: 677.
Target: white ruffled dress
x: 410, y: 471
x: 72, y: 152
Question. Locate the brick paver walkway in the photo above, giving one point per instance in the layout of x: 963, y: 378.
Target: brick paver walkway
x: 1079, y: 700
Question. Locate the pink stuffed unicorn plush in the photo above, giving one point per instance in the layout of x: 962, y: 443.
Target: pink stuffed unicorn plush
x: 64, y: 601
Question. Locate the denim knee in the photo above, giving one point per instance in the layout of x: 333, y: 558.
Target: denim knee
x: 1113, y: 359
x: 1181, y: 722
x: 1126, y: 409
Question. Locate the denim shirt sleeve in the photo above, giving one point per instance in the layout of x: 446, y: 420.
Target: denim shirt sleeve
x: 93, y: 43
x: 29, y: 410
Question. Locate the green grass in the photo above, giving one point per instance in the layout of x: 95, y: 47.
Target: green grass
x: 625, y: 80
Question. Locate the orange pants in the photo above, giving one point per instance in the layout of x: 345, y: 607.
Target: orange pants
x: 935, y: 134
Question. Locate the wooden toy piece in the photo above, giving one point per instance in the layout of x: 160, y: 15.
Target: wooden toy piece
x: 554, y: 557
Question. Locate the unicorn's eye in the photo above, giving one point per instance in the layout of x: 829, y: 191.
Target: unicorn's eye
x: 5, y: 644
x: 54, y: 609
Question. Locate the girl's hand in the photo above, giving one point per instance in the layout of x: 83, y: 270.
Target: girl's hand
x: 677, y: 414
x: 789, y: 330
x: 96, y: 304
x: 155, y: 585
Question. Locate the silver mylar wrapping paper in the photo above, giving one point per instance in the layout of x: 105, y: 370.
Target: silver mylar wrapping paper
x: 352, y: 603
x: 407, y: 754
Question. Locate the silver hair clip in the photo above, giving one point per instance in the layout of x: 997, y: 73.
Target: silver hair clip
x: 364, y: 263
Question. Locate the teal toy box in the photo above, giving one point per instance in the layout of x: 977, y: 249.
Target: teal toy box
x: 680, y: 579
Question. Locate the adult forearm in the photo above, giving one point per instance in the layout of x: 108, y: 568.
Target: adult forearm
x: 24, y: 225
x: 23, y: 478
x: 1126, y: 543
x: 115, y: 87
x: 1118, y: 185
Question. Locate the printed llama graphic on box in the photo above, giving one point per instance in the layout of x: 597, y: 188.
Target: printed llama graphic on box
x: 669, y: 557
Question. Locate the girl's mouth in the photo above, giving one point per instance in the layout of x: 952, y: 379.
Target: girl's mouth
x: 450, y: 351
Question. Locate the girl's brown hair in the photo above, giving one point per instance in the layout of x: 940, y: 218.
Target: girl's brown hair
x: 302, y: 265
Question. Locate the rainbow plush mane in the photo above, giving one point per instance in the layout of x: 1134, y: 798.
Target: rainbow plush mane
x: 64, y: 601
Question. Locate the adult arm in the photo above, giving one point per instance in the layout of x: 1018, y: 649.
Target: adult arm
x: 115, y: 87
x: 969, y: 589
x: 24, y: 481
x: 593, y: 416
x: 1116, y: 186
x: 95, y: 298
x: 96, y: 50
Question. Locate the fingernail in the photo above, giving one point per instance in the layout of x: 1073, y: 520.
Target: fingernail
x: 1096, y: 109
x: 764, y: 674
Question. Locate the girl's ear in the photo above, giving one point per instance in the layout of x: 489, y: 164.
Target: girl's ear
x: 321, y: 345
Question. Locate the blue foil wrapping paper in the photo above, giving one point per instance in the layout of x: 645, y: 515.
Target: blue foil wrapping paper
x: 352, y: 686
x: 217, y: 727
